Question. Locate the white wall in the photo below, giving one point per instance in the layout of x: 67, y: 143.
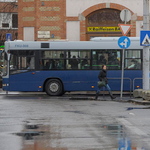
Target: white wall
x: 138, y: 27
x: 73, y: 30
x: 75, y: 7
x: 28, y: 33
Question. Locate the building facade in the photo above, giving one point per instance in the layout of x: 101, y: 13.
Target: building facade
x: 8, y: 20
x: 75, y: 20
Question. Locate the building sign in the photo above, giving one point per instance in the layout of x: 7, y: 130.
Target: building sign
x: 44, y: 34
x: 103, y: 29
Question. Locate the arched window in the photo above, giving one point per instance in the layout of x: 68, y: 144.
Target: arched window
x: 104, y: 17
x: 104, y: 23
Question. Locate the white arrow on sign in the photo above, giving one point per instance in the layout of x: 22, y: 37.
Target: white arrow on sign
x: 124, y: 43
x: 146, y: 40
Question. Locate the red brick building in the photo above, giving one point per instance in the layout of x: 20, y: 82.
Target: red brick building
x: 75, y: 19
x: 45, y: 15
x: 8, y: 20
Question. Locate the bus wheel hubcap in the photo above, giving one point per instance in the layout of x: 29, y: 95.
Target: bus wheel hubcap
x: 54, y: 87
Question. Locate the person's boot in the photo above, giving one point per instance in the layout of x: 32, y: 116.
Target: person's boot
x: 96, y: 96
x: 111, y: 96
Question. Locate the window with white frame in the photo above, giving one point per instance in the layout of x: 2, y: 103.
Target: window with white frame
x: 8, y: 20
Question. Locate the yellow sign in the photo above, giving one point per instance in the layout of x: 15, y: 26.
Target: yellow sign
x: 103, y: 29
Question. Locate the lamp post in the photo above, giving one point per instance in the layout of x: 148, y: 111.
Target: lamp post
x: 146, y: 48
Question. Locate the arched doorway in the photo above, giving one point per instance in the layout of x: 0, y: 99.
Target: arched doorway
x: 103, y: 23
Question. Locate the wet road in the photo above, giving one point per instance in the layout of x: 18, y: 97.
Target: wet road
x: 58, y: 123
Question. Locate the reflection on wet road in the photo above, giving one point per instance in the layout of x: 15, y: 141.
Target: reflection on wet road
x: 53, y: 123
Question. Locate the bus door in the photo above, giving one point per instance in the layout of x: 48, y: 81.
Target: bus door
x: 5, y: 70
x: 22, y: 71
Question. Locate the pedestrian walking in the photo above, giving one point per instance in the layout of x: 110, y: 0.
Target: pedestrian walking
x: 103, y: 81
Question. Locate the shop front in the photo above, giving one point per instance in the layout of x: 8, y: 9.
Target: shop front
x: 103, y: 23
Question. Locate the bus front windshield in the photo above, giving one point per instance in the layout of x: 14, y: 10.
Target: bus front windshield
x: 22, y: 61
x: 5, y: 61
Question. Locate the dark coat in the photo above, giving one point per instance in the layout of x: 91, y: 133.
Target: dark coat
x: 103, y: 76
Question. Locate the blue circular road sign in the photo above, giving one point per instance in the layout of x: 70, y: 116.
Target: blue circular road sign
x: 124, y: 42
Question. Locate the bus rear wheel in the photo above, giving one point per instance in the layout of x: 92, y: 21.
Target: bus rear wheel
x: 54, y: 87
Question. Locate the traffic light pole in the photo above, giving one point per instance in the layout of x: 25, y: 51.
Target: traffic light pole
x: 146, y: 48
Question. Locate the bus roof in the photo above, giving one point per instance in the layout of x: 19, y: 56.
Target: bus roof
x: 112, y: 38
x: 95, y: 43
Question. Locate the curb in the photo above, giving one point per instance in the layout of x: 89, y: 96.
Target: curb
x: 139, y: 102
x: 82, y: 98
x: 93, y: 99
x: 88, y: 98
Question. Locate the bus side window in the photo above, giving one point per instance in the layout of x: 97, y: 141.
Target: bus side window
x: 52, y: 60
x: 114, y: 61
x: 111, y: 58
x: 133, y: 64
x: 78, y: 59
x: 133, y: 60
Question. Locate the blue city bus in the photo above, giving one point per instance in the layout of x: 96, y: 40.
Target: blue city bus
x: 57, y: 67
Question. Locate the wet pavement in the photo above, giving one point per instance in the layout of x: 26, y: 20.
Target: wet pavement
x: 40, y: 122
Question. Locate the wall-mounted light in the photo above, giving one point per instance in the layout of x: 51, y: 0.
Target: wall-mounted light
x: 42, y: 3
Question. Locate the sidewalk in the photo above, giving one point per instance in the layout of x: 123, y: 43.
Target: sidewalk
x: 101, y: 97
x: 85, y: 96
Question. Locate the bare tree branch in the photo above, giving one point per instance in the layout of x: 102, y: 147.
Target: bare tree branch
x: 10, y: 4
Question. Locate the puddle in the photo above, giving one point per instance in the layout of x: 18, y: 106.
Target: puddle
x: 131, y: 108
x: 121, y: 117
x: 32, y: 126
x: 28, y: 135
x: 123, y: 140
x: 78, y: 112
x: 40, y: 137
x: 46, y: 137
x: 30, y: 131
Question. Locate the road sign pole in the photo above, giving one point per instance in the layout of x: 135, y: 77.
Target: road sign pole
x: 124, y: 43
x: 146, y: 48
x: 122, y: 75
x: 123, y: 51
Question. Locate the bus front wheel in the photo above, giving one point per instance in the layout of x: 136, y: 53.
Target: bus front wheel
x: 53, y: 87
